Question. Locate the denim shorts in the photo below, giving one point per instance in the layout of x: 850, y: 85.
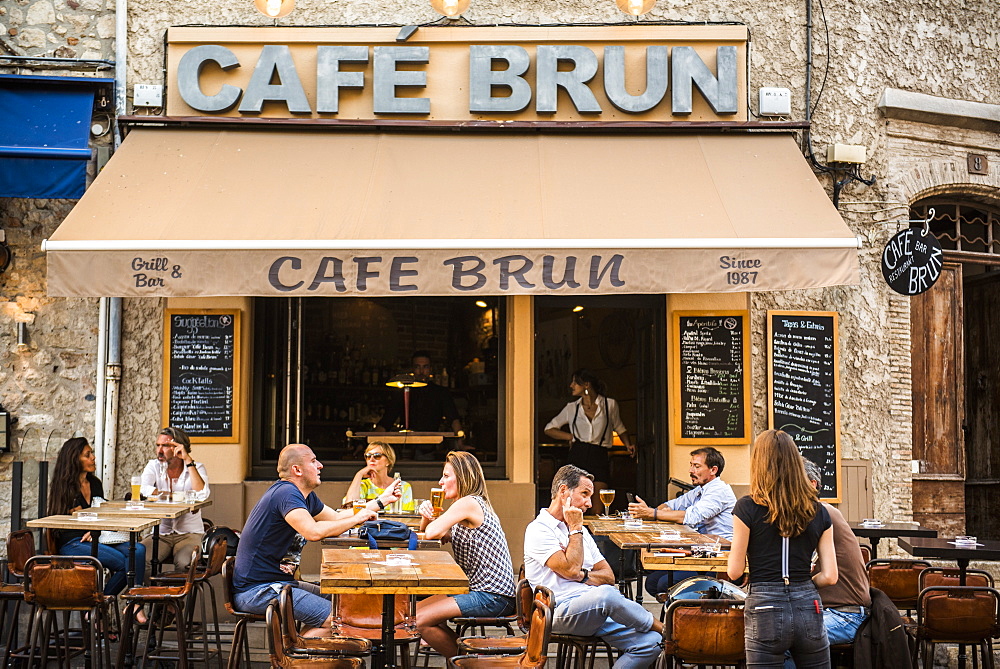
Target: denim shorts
x: 484, y: 604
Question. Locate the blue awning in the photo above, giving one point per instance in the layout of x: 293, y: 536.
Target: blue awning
x: 46, y: 128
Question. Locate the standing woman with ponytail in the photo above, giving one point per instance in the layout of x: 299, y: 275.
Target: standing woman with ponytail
x: 776, y: 528
x: 589, y: 424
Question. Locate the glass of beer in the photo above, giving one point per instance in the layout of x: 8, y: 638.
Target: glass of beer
x: 607, y: 497
x: 136, y: 484
x: 359, y: 504
x: 437, y: 501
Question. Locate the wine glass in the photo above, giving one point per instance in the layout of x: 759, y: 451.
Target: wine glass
x: 607, y: 497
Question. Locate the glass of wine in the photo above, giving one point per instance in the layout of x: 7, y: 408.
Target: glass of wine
x: 607, y: 497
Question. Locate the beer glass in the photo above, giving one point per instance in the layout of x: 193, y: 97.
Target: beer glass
x: 136, y: 485
x: 437, y: 501
x: 359, y: 504
x: 607, y: 497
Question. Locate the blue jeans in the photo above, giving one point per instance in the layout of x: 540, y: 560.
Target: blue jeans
x: 114, y: 558
x: 656, y: 581
x: 605, y: 612
x: 841, y: 626
x: 311, y: 608
x: 783, y: 618
x: 481, y: 604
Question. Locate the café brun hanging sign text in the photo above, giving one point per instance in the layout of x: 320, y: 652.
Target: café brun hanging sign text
x: 607, y: 73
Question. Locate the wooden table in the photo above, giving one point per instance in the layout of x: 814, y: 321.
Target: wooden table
x: 638, y: 540
x: 354, y: 572
x: 128, y: 524
x: 349, y: 540
x: 886, y: 530
x: 158, y: 510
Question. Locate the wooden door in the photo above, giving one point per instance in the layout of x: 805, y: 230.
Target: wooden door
x: 938, y: 379
x: 982, y: 393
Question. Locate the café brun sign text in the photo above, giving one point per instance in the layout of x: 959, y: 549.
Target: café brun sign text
x: 608, y: 73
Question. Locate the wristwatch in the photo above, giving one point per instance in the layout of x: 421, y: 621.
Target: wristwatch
x: 572, y: 532
x: 381, y: 506
x: 586, y: 574
x: 192, y: 464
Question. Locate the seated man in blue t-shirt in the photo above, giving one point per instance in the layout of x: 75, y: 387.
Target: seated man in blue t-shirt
x: 288, y: 515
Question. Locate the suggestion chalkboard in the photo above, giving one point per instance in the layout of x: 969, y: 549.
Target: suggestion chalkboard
x: 710, y: 354
x: 202, y: 373
x: 803, y: 388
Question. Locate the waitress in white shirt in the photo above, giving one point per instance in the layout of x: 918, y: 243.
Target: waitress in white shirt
x: 589, y: 424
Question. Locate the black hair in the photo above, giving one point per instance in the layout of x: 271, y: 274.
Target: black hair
x: 66, y: 476
x: 713, y: 458
x: 582, y: 376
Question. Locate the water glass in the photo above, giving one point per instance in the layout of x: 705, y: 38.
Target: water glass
x: 86, y: 515
x: 871, y: 522
x: 134, y: 505
x: 965, y: 540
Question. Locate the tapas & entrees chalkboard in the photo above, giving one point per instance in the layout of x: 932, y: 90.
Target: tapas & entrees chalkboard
x: 803, y: 388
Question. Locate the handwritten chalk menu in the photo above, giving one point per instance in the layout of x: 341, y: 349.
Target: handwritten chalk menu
x: 201, y: 373
x: 710, y: 354
x: 802, y: 386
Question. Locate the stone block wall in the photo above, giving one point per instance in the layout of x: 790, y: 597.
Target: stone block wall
x: 58, y: 28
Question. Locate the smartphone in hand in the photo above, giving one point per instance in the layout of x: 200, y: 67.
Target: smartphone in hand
x: 631, y: 497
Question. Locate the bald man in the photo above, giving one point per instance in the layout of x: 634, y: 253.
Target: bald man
x: 288, y: 515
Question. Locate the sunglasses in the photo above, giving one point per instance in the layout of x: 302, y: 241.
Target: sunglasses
x: 374, y: 456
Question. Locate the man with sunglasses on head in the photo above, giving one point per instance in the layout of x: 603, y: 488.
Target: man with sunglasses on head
x: 178, y: 537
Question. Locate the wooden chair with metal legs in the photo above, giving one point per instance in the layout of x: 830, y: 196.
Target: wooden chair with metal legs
x: 161, y: 599
x: 704, y: 631
x: 281, y: 659
x: 506, y: 645
x: 240, y: 649
x: 202, y: 584
x: 965, y: 615
x: 534, y: 655
x: 952, y: 576
x: 332, y: 645
x: 67, y: 583
x: 898, y: 579
x: 574, y: 651
x: 361, y: 616
x: 20, y: 547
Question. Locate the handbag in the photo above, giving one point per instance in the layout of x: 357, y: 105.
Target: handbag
x: 112, y: 537
x: 387, y: 530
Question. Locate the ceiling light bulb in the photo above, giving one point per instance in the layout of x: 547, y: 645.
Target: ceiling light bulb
x: 481, y: 304
x: 636, y: 7
x: 577, y: 309
x: 450, y: 8
x: 273, y: 7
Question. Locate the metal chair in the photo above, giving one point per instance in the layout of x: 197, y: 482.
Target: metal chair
x: 534, y: 655
x: 361, y: 616
x: 240, y: 642
x: 956, y: 614
x: 280, y: 659
x: 572, y: 650
x: 20, y: 547
x: 704, y: 631
x: 507, y: 645
x: 161, y: 599
x: 334, y: 645
x: 951, y: 576
x: 67, y: 584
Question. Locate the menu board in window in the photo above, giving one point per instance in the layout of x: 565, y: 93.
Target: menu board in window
x: 710, y: 355
x: 202, y: 373
x: 803, y: 388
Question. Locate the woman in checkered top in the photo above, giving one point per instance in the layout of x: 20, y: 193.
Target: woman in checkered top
x: 480, y: 548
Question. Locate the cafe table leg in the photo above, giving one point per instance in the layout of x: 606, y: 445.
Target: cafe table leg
x: 638, y: 577
x: 875, y: 548
x: 386, y: 656
x: 95, y: 542
x: 130, y: 576
x: 154, y: 565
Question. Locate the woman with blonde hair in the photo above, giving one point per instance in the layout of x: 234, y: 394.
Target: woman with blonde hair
x: 480, y: 549
x: 372, y: 480
x: 776, y: 528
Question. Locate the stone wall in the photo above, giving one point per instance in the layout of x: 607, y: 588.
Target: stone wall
x: 58, y: 28
x: 48, y: 385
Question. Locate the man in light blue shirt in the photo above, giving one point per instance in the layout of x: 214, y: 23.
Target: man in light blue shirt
x: 708, y: 508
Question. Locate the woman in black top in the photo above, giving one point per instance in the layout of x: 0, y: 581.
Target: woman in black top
x: 74, y: 487
x: 776, y: 528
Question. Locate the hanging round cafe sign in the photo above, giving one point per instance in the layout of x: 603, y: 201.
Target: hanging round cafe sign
x: 911, y: 261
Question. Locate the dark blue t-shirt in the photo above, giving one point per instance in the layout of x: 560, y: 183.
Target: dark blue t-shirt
x: 267, y: 537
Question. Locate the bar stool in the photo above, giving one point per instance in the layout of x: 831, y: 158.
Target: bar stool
x: 20, y: 547
x: 573, y: 650
x: 240, y: 642
x: 361, y: 616
x: 704, y: 631
x: 67, y: 583
x: 202, y: 576
x: 280, y: 659
x: 534, y: 655
x: 315, y: 647
x: 508, y: 645
x: 956, y: 614
x: 162, y: 599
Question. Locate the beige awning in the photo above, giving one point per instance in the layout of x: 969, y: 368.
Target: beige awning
x: 193, y: 212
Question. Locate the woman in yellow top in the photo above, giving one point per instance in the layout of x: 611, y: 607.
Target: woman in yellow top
x: 372, y: 479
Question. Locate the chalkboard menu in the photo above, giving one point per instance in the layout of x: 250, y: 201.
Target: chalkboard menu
x: 201, y: 373
x: 710, y: 354
x: 802, y: 383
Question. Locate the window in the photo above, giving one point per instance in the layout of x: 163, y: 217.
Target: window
x: 321, y: 368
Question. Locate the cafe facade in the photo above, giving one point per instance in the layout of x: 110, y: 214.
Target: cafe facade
x: 522, y: 195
